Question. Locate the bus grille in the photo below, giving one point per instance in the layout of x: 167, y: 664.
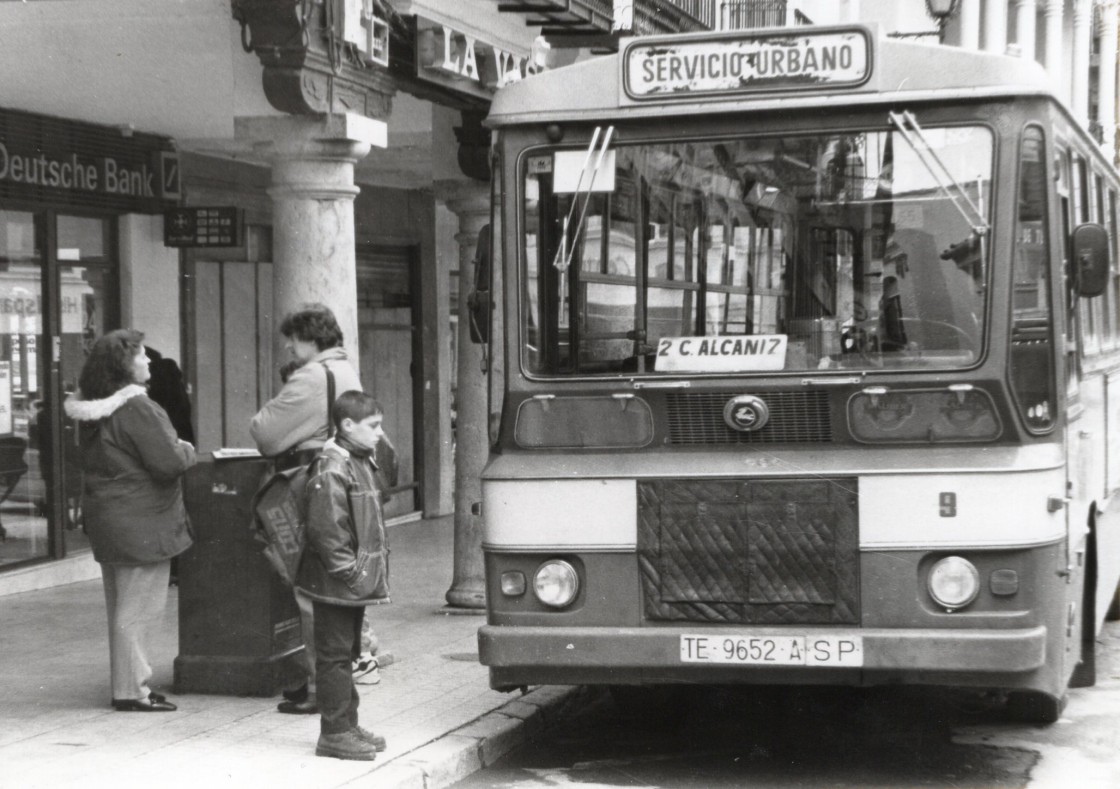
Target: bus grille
x: 795, y: 417
x: 750, y: 551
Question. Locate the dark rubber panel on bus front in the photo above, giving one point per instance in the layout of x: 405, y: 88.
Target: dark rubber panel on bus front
x: 750, y: 551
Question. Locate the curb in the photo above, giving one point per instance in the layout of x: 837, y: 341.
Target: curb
x: 482, y: 742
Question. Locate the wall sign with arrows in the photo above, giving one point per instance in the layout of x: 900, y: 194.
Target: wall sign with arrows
x: 202, y: 227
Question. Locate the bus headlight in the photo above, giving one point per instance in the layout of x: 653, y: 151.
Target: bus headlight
x: 953, y: 582
x: 556, y: 583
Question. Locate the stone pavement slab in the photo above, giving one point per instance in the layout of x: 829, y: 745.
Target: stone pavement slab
x: 433, y: 704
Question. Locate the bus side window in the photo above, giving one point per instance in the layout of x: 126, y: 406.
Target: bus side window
x: 1032, y: 371
x: 1070, y: 202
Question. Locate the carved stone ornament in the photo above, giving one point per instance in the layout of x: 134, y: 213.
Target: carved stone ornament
x: 312, y: 63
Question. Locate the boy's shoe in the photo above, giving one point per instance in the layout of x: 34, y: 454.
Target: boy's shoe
x: 376, y: 740
x: 365, y: 670
x: 345, y: 745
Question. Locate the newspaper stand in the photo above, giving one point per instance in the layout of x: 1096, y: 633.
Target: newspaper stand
x: 238, y: 622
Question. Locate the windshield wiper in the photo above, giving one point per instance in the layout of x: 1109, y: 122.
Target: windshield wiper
x: 564, y: 253
x: 907, y: 126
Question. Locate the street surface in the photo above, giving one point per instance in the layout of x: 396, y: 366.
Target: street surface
x: 814, y: 737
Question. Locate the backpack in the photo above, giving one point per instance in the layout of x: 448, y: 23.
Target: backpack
x: 279, y: 509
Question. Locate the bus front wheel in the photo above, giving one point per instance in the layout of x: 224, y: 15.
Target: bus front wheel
x: 1032, y: 706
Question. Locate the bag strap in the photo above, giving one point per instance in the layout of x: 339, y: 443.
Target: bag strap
x: 330, y: 399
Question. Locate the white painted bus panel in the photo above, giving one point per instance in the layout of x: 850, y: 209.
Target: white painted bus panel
x: 961, y: 510
x: 556, y: 514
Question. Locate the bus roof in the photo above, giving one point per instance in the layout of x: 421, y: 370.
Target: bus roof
x: 898, y: 70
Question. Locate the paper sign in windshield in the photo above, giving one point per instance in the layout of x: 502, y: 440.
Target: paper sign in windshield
x: 575, y: 172
x: 754, y: 353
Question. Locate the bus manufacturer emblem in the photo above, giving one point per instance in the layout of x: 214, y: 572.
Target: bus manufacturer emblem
x: 746, y: 413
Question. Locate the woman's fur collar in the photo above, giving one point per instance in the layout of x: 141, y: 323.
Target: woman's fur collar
x: 91, y: 410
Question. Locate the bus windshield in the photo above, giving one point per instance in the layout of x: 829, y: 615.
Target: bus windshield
x: 794, y: 252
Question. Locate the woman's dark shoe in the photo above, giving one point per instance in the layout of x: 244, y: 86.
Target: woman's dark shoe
x: 155, y: 702
x: 297, y: 695
x: 306, y: 707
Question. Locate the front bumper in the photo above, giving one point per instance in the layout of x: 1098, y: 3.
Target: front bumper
x: 590, y: 655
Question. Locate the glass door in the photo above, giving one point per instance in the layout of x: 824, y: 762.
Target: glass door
x: 24, y: 507
x: 57, y: 294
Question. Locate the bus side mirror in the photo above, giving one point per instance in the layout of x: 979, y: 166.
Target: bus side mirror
x: 478, y: 302
x: 1091, y: 260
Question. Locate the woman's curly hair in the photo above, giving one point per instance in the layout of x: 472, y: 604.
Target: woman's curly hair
x: 109, y: 364
x: 314, y: 323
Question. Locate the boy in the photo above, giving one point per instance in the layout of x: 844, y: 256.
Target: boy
x: 344, y: 568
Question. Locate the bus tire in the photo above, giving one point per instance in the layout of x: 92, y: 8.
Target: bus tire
x: 1034, y: 706
x: 1085, y: 672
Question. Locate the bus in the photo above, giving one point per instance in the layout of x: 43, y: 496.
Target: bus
x: 805, y: 369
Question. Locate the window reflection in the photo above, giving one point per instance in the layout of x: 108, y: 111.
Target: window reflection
x: 23, y: 524
x: 848, y: 246
x: 85, y: 281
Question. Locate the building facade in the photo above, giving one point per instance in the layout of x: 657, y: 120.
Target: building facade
x: 197, y: 169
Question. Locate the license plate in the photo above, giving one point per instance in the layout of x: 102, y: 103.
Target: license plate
x: 791, y: 650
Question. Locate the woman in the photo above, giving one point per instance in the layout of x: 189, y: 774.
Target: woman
x: 131, y: 461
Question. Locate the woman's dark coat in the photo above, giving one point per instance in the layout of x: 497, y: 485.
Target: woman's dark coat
x: 131, y: 463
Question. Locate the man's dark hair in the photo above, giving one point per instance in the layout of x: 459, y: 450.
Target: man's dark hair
x: 109, y: 364
x: 314, y: 323
x: 354, y: 404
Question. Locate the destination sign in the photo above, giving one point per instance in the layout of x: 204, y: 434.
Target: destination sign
x: 746, y: 63
x: 742, y: 353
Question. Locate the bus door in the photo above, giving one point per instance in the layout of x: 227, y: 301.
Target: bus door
x: 1071, y: 202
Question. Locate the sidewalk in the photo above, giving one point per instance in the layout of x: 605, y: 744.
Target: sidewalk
x: 434, y: 704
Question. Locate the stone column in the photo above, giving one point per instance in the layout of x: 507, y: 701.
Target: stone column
x: 1025, y: 11
x: 1052, y: 15
x: 313, y: 191
x: 970, y: 24
x: 470, y: 201
x: 1107, y: 87
x: 995, y: 26
x: 1082, y: 45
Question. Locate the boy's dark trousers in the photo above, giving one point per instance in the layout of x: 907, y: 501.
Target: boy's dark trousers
x: 338, y: 641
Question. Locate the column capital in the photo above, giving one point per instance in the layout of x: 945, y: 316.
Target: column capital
x: 312, y: 156
x: 463, y: 196
x: 336, y: 136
